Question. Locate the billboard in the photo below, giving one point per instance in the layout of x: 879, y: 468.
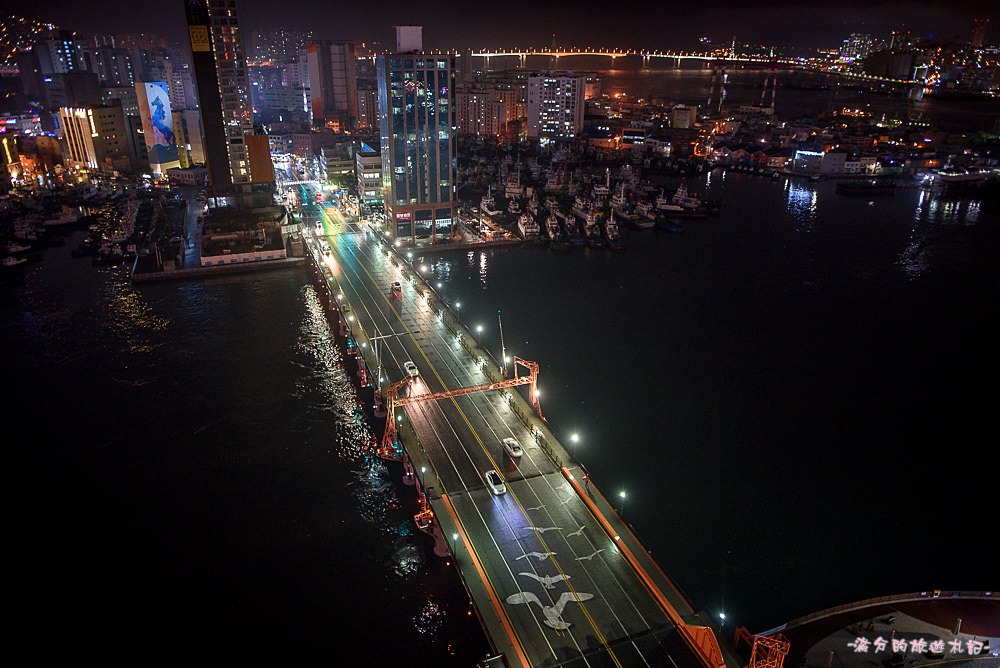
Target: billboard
x: 157, y: 125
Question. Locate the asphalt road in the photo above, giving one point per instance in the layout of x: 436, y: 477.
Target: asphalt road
x: 549, y: 577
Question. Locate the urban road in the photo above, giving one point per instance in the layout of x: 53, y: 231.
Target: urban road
x: 555, y: 575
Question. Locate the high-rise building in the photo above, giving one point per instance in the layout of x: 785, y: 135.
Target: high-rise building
x: 279, y: 47
x: 71, y: 89
x: 418, y: 145
x: 367, y: 108
x: 157, y: 126
x: 187, y: 129
x: 555, y: 105
x: 333, y: 82
x: 481, y: 112
x: 60, y: 53
x: 979, y: 28
x: 96, y: 138
x: 223, y: 91
x: 858, y: 45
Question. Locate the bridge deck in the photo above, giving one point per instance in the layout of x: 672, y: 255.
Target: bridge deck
x: 556, y: 576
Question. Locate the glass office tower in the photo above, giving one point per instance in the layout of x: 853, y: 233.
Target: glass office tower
x: 417, y: 127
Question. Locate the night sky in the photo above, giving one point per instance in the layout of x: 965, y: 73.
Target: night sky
x: 520, y: 23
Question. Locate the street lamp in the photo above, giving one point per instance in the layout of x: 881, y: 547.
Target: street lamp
x: 575, y: 439
x: 479, y: 331
x: 621, y: 508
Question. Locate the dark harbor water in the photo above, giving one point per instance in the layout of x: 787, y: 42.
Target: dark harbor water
x: 789, y: 394
x: 794, y: 396
x: 197, y: 484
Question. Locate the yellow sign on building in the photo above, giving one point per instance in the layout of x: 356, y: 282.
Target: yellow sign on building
x: 199, y: 38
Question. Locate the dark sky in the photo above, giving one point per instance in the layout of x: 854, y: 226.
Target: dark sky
x: 520, y: 23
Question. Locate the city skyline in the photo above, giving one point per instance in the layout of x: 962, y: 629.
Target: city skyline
x: 801, y: 25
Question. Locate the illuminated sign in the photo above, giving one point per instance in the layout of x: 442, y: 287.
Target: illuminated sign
x: 861, y: 645
x: 157, y: 125
x: 199, y: 38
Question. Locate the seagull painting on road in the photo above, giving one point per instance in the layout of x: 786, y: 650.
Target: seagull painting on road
x: 553, y: 613
x: 578, y: 532
x: 537, y: 555
x: 543, y: 529
x: 547, y: 581
x: 565, y: 501
x: 591, y: 555
x: 536, y: 507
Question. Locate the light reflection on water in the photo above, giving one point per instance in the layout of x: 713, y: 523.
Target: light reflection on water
x: 129, y: 315
x: 932, y: 242
x: 801, y: 204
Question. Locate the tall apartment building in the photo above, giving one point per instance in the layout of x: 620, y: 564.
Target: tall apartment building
x: 62, y: 52
x: 278, y: 47
x: 187, y: 128
x: 113, y: 66
x: 485, y: 111
x: 367, y: 108
x: 555, y: 105
x: 418, y: 144
x: 96, y: 138
x: 223, y: 92
x: 978, y: 37
x: 333, y: 82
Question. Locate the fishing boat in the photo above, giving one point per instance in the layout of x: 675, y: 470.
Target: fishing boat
x: 554, y: 233
x: 527, y: 227
x: 645, y: 218
x: 573, y: 232
x: 612, y: 235
x: 487, y: 204
x: 618, y: 200
x: 682, y: 204
x: 592, y: 231
x: 602, y: 190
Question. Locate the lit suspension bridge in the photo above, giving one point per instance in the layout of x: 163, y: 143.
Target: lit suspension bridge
x: 647, y: 56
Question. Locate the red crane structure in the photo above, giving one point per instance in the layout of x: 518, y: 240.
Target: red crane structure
x: 767, y: 651
x: 390, y: 446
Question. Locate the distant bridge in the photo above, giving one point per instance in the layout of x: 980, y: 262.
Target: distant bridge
x: 647, y: 56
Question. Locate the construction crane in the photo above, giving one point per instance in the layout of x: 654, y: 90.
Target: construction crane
x: 390, y: 447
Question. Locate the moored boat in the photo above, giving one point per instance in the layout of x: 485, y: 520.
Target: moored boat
x: 592, y: 231
x: 527, y: 227
x: 683, y: 204
x: 612, y: 234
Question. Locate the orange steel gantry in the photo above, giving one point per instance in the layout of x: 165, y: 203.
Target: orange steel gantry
x: 768, y: 651
x: 390, y: 448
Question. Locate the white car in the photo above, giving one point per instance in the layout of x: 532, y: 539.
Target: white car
x: 411, y: 369
x: 495, y: 482
x: 512, y: 447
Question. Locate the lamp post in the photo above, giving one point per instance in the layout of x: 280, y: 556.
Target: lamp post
x: 479, y: 331
x: 503, y: 350
x: 621, y: 507
x: 574, y: 439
